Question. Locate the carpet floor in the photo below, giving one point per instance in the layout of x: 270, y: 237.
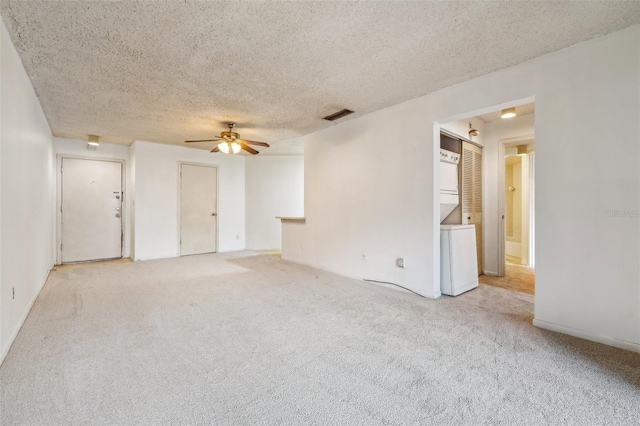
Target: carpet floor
x: 243, y: 338
x: 516, y: 277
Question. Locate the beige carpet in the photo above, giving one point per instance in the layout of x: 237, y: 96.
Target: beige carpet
x: 516, y: 277
x: 251, y: 339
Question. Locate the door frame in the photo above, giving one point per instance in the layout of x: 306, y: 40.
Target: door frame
x: 123, y: 185
x: 502, y: 211
x: 190, y: 163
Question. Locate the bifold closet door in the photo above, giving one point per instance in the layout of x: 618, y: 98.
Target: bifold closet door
x: 471, y: 191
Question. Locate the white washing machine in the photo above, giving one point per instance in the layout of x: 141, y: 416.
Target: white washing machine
x: 458, y: 259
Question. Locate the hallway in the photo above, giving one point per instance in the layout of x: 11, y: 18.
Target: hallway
x: 518, y: 278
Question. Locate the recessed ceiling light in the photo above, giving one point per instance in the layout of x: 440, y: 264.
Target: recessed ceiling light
x: 508, y: 113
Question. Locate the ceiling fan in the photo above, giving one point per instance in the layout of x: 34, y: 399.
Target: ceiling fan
x: 230, y: 142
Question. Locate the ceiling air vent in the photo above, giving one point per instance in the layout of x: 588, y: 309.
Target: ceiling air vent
x: 337, y: 115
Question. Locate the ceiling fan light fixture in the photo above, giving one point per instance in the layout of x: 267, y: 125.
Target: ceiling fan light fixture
x: 508, y: 113
x: 235, y: 147
x: 223, y: 147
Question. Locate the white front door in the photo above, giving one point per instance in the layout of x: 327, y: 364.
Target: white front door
x: 198, y: 209
x: 91, y: 210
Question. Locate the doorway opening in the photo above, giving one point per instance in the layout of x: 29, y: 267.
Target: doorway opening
x: 518, y: 271
x: 499, y: 199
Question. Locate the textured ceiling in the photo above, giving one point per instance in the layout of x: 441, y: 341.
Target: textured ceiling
x: 167, y: 71
x: 520, y: 110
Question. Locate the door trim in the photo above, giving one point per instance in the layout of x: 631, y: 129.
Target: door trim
x: 213, y: 166
x: 123, y: 183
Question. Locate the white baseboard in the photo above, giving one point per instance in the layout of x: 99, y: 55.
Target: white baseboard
x: 403, y: 289
x: 609, y: 341
x: 431, y: 296
x: 142, y: 259
x: 16, y: 330
x: 342, y: 274
x: 490, y: 273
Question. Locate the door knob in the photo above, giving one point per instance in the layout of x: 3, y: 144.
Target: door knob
x: 213, y: 214
x: 117, y: 214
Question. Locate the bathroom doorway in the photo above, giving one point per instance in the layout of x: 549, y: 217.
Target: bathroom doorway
x: 519, y: 217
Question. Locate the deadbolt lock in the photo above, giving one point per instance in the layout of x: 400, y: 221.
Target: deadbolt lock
x: 213, y: 214
x: 117, y: 214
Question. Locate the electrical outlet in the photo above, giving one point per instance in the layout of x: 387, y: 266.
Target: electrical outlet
x: 364, y: 256
x: 237, y: 236
x: 400, y: 262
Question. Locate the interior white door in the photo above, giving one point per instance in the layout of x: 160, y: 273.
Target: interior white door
x: 91, y: 210
x: 198, y: 209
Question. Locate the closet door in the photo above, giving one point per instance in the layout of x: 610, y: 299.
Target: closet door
x: 472, y: 193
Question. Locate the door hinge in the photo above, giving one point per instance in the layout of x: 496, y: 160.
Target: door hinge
x: 61, y: 245
x: 61, y: 169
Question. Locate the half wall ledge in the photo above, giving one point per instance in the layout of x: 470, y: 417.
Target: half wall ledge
x: 291, y: 219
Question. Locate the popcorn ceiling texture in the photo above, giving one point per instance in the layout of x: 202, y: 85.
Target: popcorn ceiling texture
x: 167, y: 71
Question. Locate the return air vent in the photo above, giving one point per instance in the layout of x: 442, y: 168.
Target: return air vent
x: 337, y: 115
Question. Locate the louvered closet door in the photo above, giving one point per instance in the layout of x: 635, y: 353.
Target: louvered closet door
x: 472, y: 193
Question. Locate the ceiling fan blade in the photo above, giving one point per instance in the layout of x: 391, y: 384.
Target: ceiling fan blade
x: 248, y: 148
x: 255, y: 143
x: 205, y: 140
x: 216, y: 149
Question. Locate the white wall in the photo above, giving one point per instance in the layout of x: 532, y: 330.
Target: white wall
x: 26, y: 195
x: 363, y: 196
x: 78, y: 148
x: 156, y: 198
x: 495, y: 133
x: 274, y: 187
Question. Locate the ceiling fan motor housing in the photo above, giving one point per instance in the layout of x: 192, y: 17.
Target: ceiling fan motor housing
x: 230, y: 135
